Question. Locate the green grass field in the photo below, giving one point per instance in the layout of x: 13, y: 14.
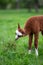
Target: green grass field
x: 16, y: 52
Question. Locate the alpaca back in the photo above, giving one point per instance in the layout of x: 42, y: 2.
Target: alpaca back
x: 34, y: 24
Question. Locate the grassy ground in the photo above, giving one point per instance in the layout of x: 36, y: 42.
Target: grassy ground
x: 16, y: 52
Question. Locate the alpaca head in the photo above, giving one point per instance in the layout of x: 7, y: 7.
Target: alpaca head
x: 19, y: 32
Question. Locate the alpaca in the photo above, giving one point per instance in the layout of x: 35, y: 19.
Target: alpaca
x: 33, y: 26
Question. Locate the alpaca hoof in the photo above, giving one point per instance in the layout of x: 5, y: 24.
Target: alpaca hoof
x: 36, y: 52
x: 29, y: 52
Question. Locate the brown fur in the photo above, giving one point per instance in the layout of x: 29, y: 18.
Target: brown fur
x: 33, y: 26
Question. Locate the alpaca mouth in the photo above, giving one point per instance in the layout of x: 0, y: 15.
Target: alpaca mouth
x: 17, y: 37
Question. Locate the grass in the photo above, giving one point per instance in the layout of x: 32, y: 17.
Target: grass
x: 16, y: 52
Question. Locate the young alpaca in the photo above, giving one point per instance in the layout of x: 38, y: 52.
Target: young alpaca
x: 33, y: 26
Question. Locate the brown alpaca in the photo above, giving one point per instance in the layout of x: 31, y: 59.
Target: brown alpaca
x: 33, y: 26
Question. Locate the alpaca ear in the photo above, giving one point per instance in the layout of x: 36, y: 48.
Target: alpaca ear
x: 18, y: 25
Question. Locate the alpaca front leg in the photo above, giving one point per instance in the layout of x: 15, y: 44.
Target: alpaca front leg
x: 30, y: 42
x: 36, y: 44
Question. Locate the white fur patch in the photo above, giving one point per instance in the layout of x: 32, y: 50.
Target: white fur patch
x: 29, y: 51
x: 16, y: 37
x: 36, y: 51
x: 18, y: 33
